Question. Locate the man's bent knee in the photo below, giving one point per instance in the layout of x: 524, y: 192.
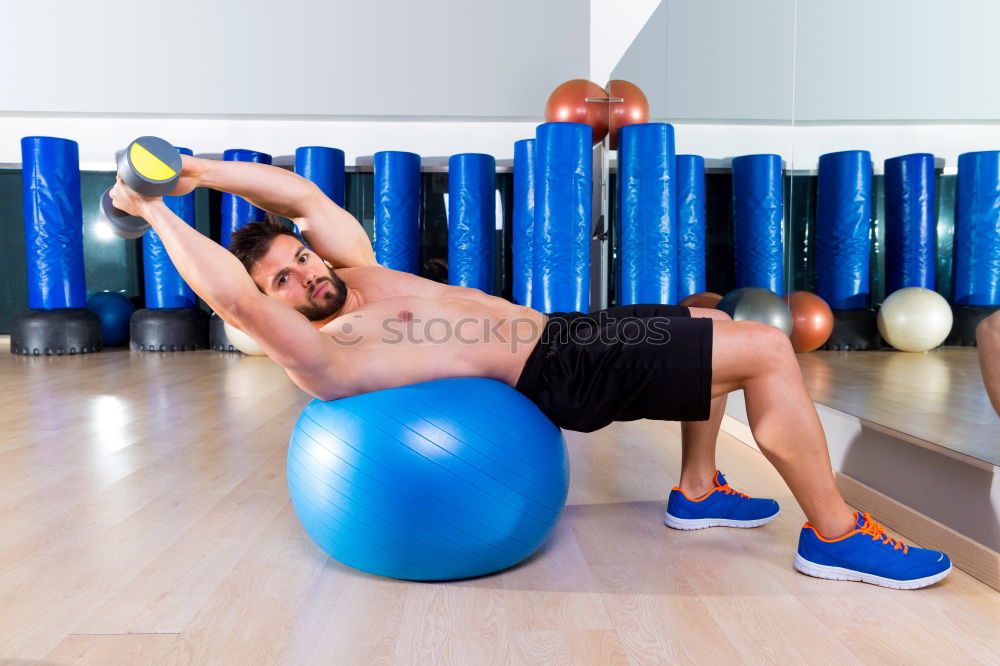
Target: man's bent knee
x: 988, y: 331
x: 749, y: 349
x: 771, y: 342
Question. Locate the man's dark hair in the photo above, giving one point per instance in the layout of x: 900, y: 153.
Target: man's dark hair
x: 251, y: 242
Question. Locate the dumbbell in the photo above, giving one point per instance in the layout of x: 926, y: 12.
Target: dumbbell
x: 151, y: 167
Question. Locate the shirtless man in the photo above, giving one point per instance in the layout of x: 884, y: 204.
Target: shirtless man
x: 341, y: 325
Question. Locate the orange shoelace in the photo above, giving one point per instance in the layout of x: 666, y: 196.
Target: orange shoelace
x: 878, y: 532
x: 729, y: 491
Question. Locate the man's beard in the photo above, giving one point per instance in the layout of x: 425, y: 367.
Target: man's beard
x: 331, y: 300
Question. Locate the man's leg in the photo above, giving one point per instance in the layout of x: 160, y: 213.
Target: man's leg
x: 698, y: 438
x: 759, y: 359
x: 836, y: 543
x: 988, y: 343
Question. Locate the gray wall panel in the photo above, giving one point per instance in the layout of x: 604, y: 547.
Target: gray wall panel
x: 897, y: 60
x: 854, y: 60
x: 730, y: 59
x: 715, y: 60
x: 645, y: 62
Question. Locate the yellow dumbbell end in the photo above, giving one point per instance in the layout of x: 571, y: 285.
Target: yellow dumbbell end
x: 148, y: 165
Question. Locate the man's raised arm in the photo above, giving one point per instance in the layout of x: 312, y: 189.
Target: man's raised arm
x: 331, y: 231
x: 219, y: 278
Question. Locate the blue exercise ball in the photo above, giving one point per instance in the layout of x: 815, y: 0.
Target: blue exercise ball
x: 114, y: 310
x: 446, y: 479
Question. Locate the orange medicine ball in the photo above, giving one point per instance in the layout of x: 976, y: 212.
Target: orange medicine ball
x: 632, y: 110
x: 812, y: 320
x: 568, y: 104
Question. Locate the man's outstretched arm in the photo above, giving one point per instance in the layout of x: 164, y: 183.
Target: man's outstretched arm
x: 219, y: 278
x: 329, y: 229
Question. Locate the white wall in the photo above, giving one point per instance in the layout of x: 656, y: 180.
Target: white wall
x: 99, y: 137
x: 800, y: 146
x: 389, y: 58
x: 368, y: 55
x: 435, y: 78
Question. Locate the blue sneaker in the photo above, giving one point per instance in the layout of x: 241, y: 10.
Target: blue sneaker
x: 721, y: 507
x: 868, y: 554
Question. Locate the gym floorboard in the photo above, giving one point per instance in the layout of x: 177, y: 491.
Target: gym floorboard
x: 145, y: 519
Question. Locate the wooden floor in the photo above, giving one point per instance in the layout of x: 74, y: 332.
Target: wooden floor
x: 145, y: 520
x: 937, y: 397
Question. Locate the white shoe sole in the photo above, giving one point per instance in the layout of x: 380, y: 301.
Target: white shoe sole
x: 837, y: 573
x: 702, y: 523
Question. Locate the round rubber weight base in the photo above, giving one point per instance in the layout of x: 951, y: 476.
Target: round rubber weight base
x: 169, y: 329
x: 854, y: 330
x: 217, y: 338
x: 55, y: 332
x: 965, y: 319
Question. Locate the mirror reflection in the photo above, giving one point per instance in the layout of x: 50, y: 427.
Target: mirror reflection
x: 849, y: 152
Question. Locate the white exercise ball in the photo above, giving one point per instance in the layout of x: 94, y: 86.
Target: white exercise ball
x: 242, y: 341
x: 914, y: 319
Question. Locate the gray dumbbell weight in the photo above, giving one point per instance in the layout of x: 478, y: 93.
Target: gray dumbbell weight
x: 151, y: 167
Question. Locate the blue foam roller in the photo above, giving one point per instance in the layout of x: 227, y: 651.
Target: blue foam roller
x: 910, y: 238
x: 690, y: 225
x: 472, y: 221
x: 165, y: 288
x: 422, y: 482
x: 843, y: 229
x: 757, y: 216
x: 977, y: 229
x: 648, y: 194
x: 53, y: 222
x: 397, y: 210
x: 561, y: 251
x: 325, y: 167
x: 524, y: 219
x: 237, y: 211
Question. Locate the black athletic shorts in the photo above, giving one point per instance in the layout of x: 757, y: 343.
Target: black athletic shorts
x: 621, y: 364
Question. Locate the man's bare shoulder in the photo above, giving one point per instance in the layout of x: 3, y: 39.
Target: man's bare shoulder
x: 356, y: 271
x: 377, y: 272
x: 378, y: 282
